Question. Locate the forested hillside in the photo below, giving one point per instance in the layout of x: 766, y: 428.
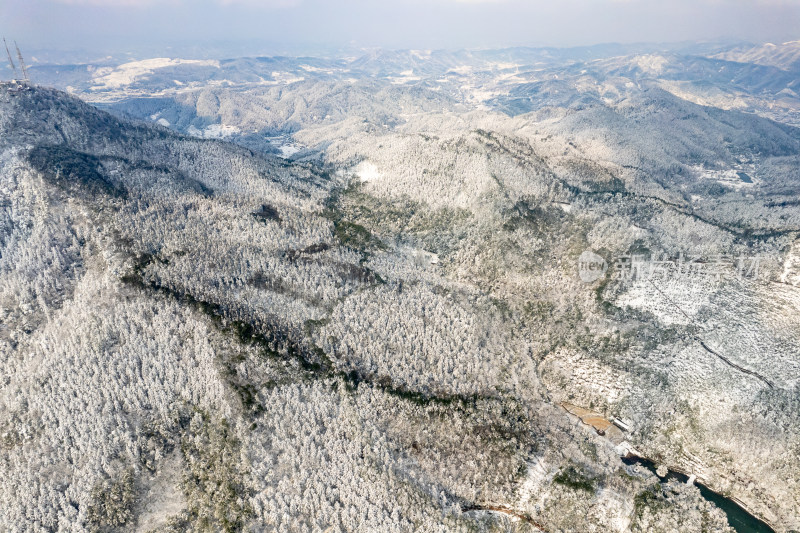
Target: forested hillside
x: 389, y: 329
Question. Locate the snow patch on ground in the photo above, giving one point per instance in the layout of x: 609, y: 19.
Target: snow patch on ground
x: 672, y: 302
x: 731, y: 177
x: 505, y: 66
x: 288, y: 150
x: 509, y: 77
x: 463, y: 70
x: 220, y: 131
x: 407, y: 76
x: 421, y: 258
x: 213, y: 131
x: 123, y: 75
x: 537, y: 478
x: 309, y: 68
x: 162, y: 497
x: 651, y: 63
x: 617, y: 507
x: 367, y: 172
x: 478, y: 95
x: 286, y: 144
x: 286, y: 77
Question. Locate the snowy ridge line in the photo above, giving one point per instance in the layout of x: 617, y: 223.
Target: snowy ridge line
x: 709, y: 350
x: 288, y: 348
x: 576, y: 190
x: 738, y: 231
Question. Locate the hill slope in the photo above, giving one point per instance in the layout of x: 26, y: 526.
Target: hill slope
x: 196, y: 336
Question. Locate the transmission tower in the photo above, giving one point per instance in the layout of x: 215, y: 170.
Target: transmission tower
x: 10, y: 61
x: 21, y: 63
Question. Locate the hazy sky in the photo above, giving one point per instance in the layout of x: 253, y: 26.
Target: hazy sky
x: 117, y: 24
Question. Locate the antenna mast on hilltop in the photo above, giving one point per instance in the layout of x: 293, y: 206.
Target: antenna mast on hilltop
x: 10, y: 61
x: 21, y: 63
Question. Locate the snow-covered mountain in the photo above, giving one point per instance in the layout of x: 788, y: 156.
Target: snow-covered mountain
x: 785, y: 55
x: 418, y: 291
